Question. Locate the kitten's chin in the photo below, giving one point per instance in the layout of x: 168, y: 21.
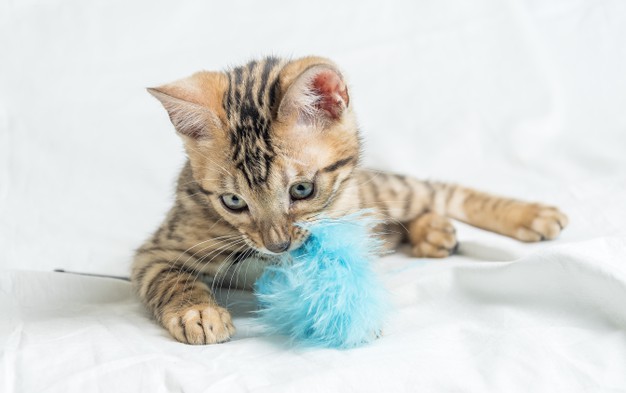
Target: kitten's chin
x: 294, y: 245
x: 267, y: 252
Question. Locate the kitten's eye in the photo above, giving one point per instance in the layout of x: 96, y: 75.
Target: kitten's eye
x: 234, y: 202
x: 301, y: 190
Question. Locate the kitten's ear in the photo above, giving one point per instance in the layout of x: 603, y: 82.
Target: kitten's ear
x: 317, y: 92
x: 194, y: 104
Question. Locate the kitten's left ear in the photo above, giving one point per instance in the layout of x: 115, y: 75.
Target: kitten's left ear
x: 318, y: 94
x: 193, y: 104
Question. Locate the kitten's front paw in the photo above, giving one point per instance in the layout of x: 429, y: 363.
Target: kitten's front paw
x: 200, y: 324
x: 535, y: 222
x: 432, y: 236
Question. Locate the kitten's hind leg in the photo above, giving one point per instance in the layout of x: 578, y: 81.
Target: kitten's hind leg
x: 404, y: 199
x: 525, y: 221
x: 432, y: 236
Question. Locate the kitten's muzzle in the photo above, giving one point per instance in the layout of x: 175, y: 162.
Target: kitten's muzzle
x: 279, y: 247
x: 276, y: 239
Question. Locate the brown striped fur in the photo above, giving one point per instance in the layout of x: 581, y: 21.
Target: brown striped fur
x: 256, y: 130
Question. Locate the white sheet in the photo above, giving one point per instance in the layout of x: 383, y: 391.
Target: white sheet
x: 524, y: 98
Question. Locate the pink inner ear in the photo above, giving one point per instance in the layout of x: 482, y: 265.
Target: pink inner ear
x: 332, y: 91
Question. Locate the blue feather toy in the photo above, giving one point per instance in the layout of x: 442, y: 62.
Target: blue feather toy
x: 325, y: 293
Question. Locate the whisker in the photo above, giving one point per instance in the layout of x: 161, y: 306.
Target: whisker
x: 247, y: 253
x: 224, y: 267
x: 173, y: 263
x: 215, y: 254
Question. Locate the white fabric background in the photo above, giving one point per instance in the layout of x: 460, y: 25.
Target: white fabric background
x: 520, y: 97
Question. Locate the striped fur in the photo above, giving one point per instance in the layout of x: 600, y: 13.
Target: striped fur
x: 252, y: 93
x: 254, y: 131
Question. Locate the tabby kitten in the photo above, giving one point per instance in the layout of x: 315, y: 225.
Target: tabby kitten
x: 270, y: 144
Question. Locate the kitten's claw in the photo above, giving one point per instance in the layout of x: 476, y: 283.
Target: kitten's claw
x: 201, y: 324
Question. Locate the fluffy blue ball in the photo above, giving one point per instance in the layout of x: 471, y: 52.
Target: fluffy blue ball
x: 325, y: 292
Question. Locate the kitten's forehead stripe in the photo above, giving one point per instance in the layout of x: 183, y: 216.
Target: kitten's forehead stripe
x: 229, y: 93
x: 250, y: 87
x: 338, y: 164
x: 204, y: 190
x: 270, y: 63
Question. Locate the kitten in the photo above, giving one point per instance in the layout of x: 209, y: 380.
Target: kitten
x: 270, y: 144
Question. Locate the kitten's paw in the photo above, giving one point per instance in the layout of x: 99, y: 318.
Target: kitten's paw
x: 200, y: 324
x: 535, y: 222
x: 432, y: 236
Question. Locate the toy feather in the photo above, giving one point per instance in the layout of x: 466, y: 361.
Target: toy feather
x: 325, y: 292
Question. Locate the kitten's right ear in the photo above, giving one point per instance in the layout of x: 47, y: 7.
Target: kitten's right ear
x: 194, y: 104
x: 317, y: 92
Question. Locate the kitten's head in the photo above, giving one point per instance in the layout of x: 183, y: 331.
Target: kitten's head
x: 270, y: 142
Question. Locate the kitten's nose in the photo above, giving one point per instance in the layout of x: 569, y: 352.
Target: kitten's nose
x: 279, y: 247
